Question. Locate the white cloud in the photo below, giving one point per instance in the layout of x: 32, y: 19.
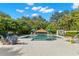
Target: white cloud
x: 27, y: 15
x: 46, y: 10
x: 60, y: 11
x: 36, y: 8
x: 26, y: 7
x: 30, y: 4
x: 35, y: 14
x: 75, y: 5
x: 43, y: 9
x: 19, y: 10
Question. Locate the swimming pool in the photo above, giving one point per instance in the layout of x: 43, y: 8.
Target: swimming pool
x: 43, y: 37
x: 39, y: 37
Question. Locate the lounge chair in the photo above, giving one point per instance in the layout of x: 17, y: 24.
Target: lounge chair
x: 11, y: 39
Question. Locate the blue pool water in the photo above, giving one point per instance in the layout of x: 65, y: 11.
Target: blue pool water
x: 43, y: 37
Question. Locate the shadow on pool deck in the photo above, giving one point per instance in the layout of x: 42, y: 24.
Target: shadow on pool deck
x: 8, y: 52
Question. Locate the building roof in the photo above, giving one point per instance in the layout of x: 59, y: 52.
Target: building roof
x: 41, y: 30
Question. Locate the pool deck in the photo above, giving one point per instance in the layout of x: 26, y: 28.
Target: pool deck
x: 41, y: 48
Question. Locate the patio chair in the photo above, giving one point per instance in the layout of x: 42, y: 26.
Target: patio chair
x: 11, y: 39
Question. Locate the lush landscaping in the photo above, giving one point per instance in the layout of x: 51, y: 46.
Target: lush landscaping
x: 72, y: 34
x: 66, y: 20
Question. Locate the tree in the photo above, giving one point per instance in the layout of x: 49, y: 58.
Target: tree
x: 52, y: 27
x: 39, y: 22
x: 58, y: 15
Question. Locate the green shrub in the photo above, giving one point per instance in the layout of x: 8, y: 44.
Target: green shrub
x: 71, y: 34
x: 72, y: 41
x: 53, y: 31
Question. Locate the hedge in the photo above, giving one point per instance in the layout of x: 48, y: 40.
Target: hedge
x: 53, y: 32
x: 71, y: 33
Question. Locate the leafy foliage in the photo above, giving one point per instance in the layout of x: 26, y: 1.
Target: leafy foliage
x: 71, y: 34
x: 66, y: 20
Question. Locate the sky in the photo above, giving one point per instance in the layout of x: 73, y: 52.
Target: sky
x: 16, y: 10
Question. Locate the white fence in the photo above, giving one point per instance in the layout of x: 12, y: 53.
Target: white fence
x: 62, y: 32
